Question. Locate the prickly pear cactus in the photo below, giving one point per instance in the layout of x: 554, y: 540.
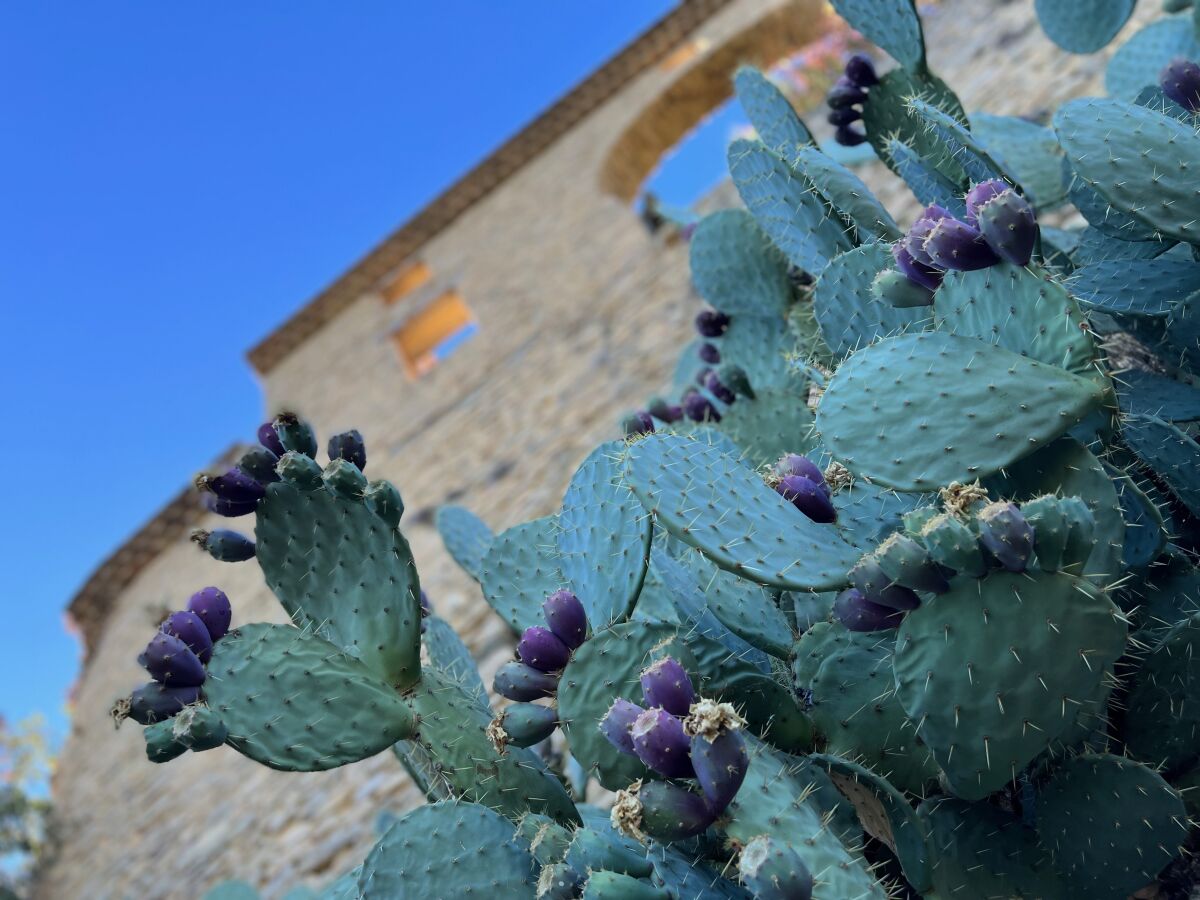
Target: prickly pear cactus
x: 893, y: 592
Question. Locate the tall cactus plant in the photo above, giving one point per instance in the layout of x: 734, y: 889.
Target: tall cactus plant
x: 896, y: 595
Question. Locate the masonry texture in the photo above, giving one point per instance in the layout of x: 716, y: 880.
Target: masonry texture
x: 581, y: 313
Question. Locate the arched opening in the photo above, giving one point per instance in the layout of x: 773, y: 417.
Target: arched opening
x: 696, y: 99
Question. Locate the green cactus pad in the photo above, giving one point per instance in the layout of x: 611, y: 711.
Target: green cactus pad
x: 1083, y: 26
x: 605, y: 849
x: 1162, y: 719
x: 869, y: 513
x: 1027, y: 151
x: 1157, y: 395
x: 294, y: 701
x: 1020, y: 309
x: 344, y: 888
x: 775, y: 422
x: 847, y: 194
x: 688, y: 367
x: 466, y: 536
x: 786, y: 206
x: 956, y: 137
x: 854, y: 703
x: 520, y: 569
x: 760, y: 346
x: 607, y: 666
x: 848, y: 313
x: 1103, y: 216
x: 603, y: 538
x: 603, y: 885
x: 714, y: 503
x: 771, y: 113
x: 919, y: 411
x: 1069, y: 469
x: 992, y: 671
x: 1170, y: 452
x: 892, y: 25
x: 161, y: 744
x: 1095, y: 246
x: 424, y: 771
x: 927, y: 184
x: 1138, y: 61
x: 1145, y: 534
x: 886, y: 814
x: 769, y: 802
x: 452, y: 727
x: 887, y: 117
x: 1150, y: 287
x: 1141, y: 161
x: 450, y: 655
x: 736, y: 268
x: 339, y: 569
x: 1110, y: 824
x: 232, y: 890
x: 449, y: 849
x: 980, y: 852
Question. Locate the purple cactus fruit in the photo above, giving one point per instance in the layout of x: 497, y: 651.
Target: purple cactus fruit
x: 190, y: 628
x: 983, y: 193
x: 540, y: 648
x: 847, y: 115
x: 666, y: 684
x: 1006, y: 535
x: 659, y: 742
x: 875, y: 586
x: 710, y: 354
x: 269, y: 438
x: 849, y: 136
x: 917, y: 272
x: 233, y: 485
x: 664, y: 411
x: 858, y: 613
x: 698, y: 408
x: 861, y: 71
x: 1180, y: 80
x: 517, y: 681
x: 845, y: 93
x: 638, y: 422
x: 809, y: 497
x: 224, y: 545
x: 720, y: 762
x: 1009, y: 225
x: 711, y: 323
x: 617, y: 724
x: 671, y: 812
x: 230, y: 509
x: 567, y: 618
x: 153, y: 702
x: 796, y: 464
x: 171, y: 662
x: 953, y: 244
x: 212, y: 606
x: 348, y: 445
x: 702, y: 375
x: 719, y: 390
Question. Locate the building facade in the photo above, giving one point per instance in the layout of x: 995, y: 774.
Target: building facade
x: 570, y: 310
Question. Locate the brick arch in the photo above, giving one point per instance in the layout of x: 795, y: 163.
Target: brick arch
x: 704, y: 85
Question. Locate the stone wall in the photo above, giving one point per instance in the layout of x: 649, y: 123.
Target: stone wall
x: 580, y: 314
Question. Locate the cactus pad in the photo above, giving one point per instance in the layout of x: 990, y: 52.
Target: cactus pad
x: 1139, y: 60
x: 736, y: 268
x: 775, y: 422
x: 716, y: 504
x: 1029, y: 152
x: 521, y: 569
x: 1170, y: 452
x: 294, y: 701
x: 338, y: 568
x: 993, y: 670
x: 466, y: 536
x: 449, y: 849
x: 919, y: 411
x: 448, y: 653
x: 892, y: 24
x: 771, y: 113
x: 1162, y: 720
x: 887, y: 117
x: 848, y: 313
x: 1083, y: 26
x: 847, y: 194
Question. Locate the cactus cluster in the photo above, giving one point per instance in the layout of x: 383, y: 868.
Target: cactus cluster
x: 897, y: 597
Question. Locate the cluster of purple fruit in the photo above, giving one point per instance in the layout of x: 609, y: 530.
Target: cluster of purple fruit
x: 679, y: 737
x: 176, y: 658
x: 801, y: 482
x: 1000, y: 226
x: 543, y: 652
x: 878, y: 601
x: 1180, y: 81
x: 846, y: 97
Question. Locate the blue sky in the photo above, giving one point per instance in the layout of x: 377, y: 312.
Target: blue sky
x: 177, y: 179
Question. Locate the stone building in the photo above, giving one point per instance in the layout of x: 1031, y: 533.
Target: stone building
x: 577, y: 312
